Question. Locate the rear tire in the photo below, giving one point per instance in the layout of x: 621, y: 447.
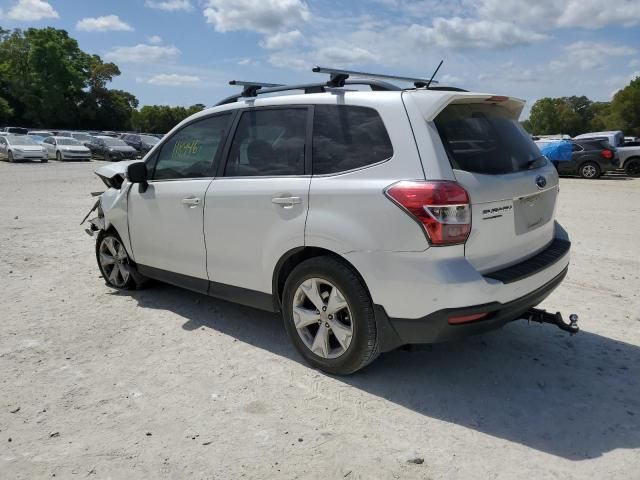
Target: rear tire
x: 58, y: 156
x: 632, y: 168
x: 336, y: 331
x: 589, y: 170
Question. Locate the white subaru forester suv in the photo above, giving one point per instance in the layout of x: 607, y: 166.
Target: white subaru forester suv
x: 369, y: 219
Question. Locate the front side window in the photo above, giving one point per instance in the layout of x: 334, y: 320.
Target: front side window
x: 268, y: 143
x: 192, y: 151
x: 348, y: 137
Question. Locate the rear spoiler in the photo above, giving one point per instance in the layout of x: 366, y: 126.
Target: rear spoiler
x: 437, y: 101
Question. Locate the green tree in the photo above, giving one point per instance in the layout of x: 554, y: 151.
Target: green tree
x: 571, y: 115
x: 49, y: 81
x: 625, y: 109
x: 6, y: 112
x: 162, y: 118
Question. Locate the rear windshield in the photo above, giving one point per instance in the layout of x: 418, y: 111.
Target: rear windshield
x: 486, y: 139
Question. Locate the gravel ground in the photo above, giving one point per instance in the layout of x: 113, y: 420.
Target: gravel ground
x: 164, y: 383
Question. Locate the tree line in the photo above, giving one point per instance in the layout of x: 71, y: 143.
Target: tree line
x: 47, y: 81
x: 576, y: 115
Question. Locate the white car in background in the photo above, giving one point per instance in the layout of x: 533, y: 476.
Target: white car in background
x: 66, y: 148
x: 21, y: 147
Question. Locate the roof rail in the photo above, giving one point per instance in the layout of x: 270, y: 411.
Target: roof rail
x: 337, y: 77
x: 251, y: 88
x: 375, y: 85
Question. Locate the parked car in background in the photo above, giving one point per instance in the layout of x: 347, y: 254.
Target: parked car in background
x: 66, y: 148
x: 590, y: 158
x: 629, y: 155
x: 83, y: 138
x: 37, y: 138
x: 614, y: 137
x: 16, y: 130
x: 111, y: 149
x: 21, y: 147
x: 142, y: 143
x: 40, y: 133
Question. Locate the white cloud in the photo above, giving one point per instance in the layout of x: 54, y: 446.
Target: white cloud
x: 634, y: 63
x: 154, y: 39
x: 589, y: 55
x: 265, y: 16
x: 569, y: 13
x: 169, y: 5
x: 282, y: 40
x: 464, y: 33
x: 108, y: 23
x: 172, y: 80
x: 143, y: 53
x: 289, y: 60
x: 248, y: 61
x: 342, y: 56
x: 31, y: 10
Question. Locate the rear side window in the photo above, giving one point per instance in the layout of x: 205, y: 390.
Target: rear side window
x: 268, y: 143
x: 348, y: 137
x: 190, y: 152
x: 486, y: 139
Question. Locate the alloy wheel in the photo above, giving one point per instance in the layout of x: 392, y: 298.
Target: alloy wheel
x: 322, y: 318
x: 589, y: 171
x: 114, y: 261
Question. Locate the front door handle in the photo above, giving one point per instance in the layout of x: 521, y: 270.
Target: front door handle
x: 191, y: 202
x: 286, y: 202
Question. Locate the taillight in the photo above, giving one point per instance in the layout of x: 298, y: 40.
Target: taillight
x: 608, y: 154
x: 442, y: 207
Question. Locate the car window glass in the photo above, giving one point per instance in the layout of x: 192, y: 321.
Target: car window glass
x: 190, y: 153
x: 348, y: 137
x: 268, y: 142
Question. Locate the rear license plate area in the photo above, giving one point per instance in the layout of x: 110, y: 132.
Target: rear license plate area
x: 533, y: 211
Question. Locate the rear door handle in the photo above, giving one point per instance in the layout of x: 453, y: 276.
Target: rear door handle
x: 191, y: 201
x: 286, y: 202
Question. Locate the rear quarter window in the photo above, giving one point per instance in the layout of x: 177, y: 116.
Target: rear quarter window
x: 348, y: 137
x: 486, y: 139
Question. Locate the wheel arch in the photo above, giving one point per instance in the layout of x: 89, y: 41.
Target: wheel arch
x: 294, y: 257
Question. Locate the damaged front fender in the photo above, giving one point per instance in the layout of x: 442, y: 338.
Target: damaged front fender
x: 111, y: 205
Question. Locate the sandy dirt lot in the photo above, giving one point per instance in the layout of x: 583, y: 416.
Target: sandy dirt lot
x: 167, y: 384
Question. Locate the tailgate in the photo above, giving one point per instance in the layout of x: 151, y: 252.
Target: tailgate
x: 512, y: 187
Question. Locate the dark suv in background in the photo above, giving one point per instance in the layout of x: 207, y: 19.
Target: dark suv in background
x: 142, y: 143
x: 590, y: 158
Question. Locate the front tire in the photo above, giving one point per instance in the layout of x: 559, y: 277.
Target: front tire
x: 44, y: 160
x: 58, y: 156
x: 589, y: 170
x: 114, y: 262
x: 328, y: 315
x: 10, y: 157
x: 632, y: 168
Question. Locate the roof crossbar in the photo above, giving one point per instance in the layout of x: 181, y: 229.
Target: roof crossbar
x: 251, y: 88
x: 375, y: 85
x: 337, y: 77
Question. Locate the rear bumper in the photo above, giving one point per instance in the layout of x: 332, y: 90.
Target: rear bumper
x: 434, y: 328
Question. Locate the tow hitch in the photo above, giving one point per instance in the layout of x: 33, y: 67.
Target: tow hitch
x: 542, y: 316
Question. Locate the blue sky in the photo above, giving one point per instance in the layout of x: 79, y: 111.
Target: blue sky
x: 181, y: 52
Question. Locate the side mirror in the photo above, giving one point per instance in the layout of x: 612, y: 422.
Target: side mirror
x: 137, y: 173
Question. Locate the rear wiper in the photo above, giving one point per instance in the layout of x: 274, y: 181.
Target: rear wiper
x: 531, y: 164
